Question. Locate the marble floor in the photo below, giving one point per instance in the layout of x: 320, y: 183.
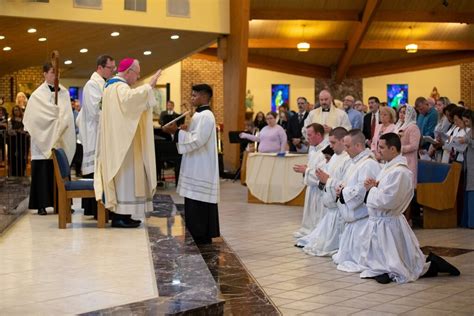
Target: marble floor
x: 47, y: 271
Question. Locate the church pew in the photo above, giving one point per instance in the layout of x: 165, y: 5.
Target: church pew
x: 436, y: 191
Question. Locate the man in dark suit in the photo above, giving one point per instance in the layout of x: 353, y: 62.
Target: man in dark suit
x: 168, y: 115
x: 372, y: 118
x: 296, y: 123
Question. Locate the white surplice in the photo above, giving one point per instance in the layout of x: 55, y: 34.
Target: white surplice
x: 334, y: 118
x: 50, y: 125
x: 88, y: 120
x: 390, y: 246
x: 312, y: 212
x: 125, y: 170
x: 199, y: 173
x: 324, y: 239
x: 354, y: 211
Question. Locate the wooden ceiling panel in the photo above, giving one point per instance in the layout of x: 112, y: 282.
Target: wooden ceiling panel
x: 368, y: 56
x: 309, y: 4
x: 321, y: 57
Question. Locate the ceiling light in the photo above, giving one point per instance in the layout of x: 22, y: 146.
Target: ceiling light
x: 303, y: 46
x: 42, y: 39
x: 68, y: 62
x: 147, y: 52
x: 31, y: 30
x: 2, y: 37
x: 6, y: 48
x: 411, y: 48
x: 174, y: 37
x: 83, y: 50
x: 114, y: 34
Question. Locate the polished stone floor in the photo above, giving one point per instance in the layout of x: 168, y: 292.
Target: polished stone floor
x: 48, y: 271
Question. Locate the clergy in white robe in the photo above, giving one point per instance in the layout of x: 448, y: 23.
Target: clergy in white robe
x: 50, y: 126
x: 391, y: 250
x: 125, y: 171
x: 324, y: 239
x: 351, y: 201
x: 312, y: 212
x: 327, y: 115
x: 199, y: 174
x: 88, y: 121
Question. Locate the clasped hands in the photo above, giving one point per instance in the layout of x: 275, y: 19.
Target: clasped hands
x: 369, y: 183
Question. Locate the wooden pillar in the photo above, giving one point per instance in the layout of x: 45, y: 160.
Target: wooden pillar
x: 234, y: 51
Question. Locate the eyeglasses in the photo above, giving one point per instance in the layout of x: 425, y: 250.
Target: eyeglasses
x: 136, y: 72
x: 113, y: 68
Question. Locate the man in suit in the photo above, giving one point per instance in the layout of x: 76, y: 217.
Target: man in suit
x: 295, y: 124
x: 372, y: 118
x: 168, y: 115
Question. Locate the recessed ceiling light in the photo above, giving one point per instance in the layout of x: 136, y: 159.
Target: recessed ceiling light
x: 2, y: 37
x: 114, y: 34
x: 147, y: 52
x: 68, y: 62
x: 6, y: 48
x: 174, y: 37
x: 42, y: 39
x: 31, y: 30
x: 83, y: 50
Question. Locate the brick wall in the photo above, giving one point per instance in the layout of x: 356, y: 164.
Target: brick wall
x: 339, y: 91
x: 195, y: 71
x: 467, y: 84
x: 28, y: 78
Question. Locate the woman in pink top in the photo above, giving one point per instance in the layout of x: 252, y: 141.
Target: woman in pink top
x: 387, y: 119
x: 410, y: 137
x: 272, y: 138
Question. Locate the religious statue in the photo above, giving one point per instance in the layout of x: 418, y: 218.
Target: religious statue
x: 434, y: 94
x: 249, y: 101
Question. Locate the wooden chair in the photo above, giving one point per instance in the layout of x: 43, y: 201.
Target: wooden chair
x: 436, y: 191
x: 72, y: 189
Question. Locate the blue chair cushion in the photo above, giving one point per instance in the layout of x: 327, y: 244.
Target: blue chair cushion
x: 79, y: 185
x: 432, y: 172
x: 62, y: 162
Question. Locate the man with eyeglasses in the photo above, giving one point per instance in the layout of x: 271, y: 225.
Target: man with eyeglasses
x: 125, y: 170
x: 88, y: 120
x: 355, y: 117
x: 295, y: 125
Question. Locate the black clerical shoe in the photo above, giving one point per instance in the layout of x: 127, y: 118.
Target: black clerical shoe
x: 383, y: 278
x: 442, y: 265
x: 299, y: 246
x: 129, y: 218
x: 121, y: 223
x: 203, y: 241
x: 42, y: 211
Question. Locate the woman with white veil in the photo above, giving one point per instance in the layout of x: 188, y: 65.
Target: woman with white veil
x: 410, y: 137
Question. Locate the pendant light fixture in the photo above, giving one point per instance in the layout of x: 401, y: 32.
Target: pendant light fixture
x: 303, y: 46
x: 411, y: 48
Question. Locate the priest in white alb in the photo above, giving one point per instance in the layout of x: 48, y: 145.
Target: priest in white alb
x: 312, y: 212
x: 390, y: 251
x: 327, y: 115
x: 88, y: 122
x: 125, y: 171
x: 50, y: 126
x: 351, y: 194
x: 199, y: 174
x: 324, y: 239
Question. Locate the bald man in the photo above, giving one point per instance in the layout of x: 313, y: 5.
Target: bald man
x: 355, y: 117
x: 327, y: 115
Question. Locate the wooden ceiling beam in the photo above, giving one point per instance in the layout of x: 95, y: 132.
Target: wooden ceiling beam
x: 354, y: 15
x: 304, y: 14
x: 356, y: 38
x: 411, y: 64
x: 275, y: 64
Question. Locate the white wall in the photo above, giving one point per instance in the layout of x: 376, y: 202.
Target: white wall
x: 259, y: 82
x: 420, y: 83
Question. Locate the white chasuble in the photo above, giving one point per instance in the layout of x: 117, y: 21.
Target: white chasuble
x: 354, y: 211
x: 88, y: 120
x: 324, y: 239
x: 199, y: 173
x: 50, y: 125
x: 390, y: 246
x: 312, y: 211
x: 125, y: 170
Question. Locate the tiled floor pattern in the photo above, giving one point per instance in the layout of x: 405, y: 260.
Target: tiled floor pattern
x: 301, y: 284
x: 48, y: 271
